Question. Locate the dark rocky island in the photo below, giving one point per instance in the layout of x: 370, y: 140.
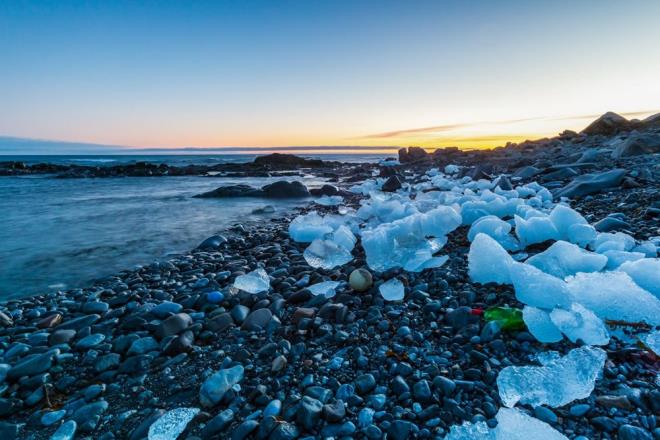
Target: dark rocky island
x: 112, y: 359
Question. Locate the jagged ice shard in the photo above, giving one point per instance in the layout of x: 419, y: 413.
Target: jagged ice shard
x: 325, y: 288
x: 580, y: 323
x: 171, y: 424
x: 495, y: 228
x: 557, y: 383
x: 540, y: 325
x: 253, y: 282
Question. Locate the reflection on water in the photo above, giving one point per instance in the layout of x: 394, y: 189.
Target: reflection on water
x: 56, y: 232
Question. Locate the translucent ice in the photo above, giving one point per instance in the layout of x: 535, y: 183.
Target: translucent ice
x: 617, y: 258
x: 392, y: 290
x: 540, y: 325
x: 330, y: 200
x: 555, y: 384
x: 496, y: 229
x: 535, y: 230
x: 581, y: 234
x: 307, y: 228
x: 580, y: 323
x: 536, y: 288
x: 652, y: 341
x: 471, y: 431
x: 171, y: 424
x: 253, y: 282
x: 614, y: 295
x: 326, y: 288
x: 645, y: 273
x: 488, y: 262
x: 344, y: 237
x: 326, y: 254
x: 452, y: 169
x: 512, y: 424
x: 563, y: 259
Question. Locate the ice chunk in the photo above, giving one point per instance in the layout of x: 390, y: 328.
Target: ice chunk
x: 545, y: 357
x: 581, y: 235
x: 535, y: 230
x: 452, y: 169
x: 614, y: 295
x: 652, y: 341
x: 645, y: 273
x: 580, y: 323
x: 617, y: 241
x: 325, y: 288
x: 471, y: 431
x: 330, y: 200
x: 563, y: 259
x: 496, y: 229
x: 326, y: 254
x: 555, y: 384
x: 536, y: 288
x: 563, y: 218
x: 392, y: 290
x: 171, y: 424
x: 344, y: 237
x: 647, y: 248
x: 253, y: 282
x: 488, y: 262
x: 513, y: 424
x: 540, y: 325
x: 617, y: 258
x: 307, y: 228
x: 404, y: 243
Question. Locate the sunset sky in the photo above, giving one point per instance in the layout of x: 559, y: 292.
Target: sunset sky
x: 305, y: 73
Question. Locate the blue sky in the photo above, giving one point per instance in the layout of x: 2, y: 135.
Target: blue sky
x: 271, y: 73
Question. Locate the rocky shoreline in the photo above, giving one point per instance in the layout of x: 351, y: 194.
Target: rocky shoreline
x: 113, y: 360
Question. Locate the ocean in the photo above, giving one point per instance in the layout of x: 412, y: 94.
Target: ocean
x: 64, y: 233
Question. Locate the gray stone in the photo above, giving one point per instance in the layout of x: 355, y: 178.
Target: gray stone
x: 257, y: 320
x: 214, y: 388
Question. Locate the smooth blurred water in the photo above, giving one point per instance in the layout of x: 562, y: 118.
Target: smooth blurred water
x: 57, y: 233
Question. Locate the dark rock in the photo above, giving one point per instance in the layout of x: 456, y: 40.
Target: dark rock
x: 279, y: 189
x: 392, y: 184
x: 592, y: 183
x: 257, y: 320
x: 611, y: 224
x: 637, y: 144
x: 629, y: 432
x: 174, y: 325
x: 309, y: 412
x: 412, y: 154
x: 212, y: 242
x: 608, y: 124
x: 288, y: 160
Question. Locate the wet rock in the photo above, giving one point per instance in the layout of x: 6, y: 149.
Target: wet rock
x: 174, y: 325
x: 257, y: 320
x: 215, y: 387
x: 608, y: 124
x: 309, y: 412
x: 592, y: 183
x: 637, y: 144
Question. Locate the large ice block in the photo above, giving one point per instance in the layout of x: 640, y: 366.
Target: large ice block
x: 536, y: 288
x: 535, y: 230
x: 645, y: 273
x: 326, y: 254
x: 307, y: 228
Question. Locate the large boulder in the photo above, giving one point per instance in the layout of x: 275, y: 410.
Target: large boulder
x: 279, y: 189
x: 412, y: 154
x: 280, y: 160
x: 592, y: 183
x: 608, y: 124
x: 637, y: 144
x: 284, y: 189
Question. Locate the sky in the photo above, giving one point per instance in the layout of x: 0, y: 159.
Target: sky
x: 174, y: 74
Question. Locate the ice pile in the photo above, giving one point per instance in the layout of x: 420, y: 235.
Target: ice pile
x: 254, y: 282
x: 556, y: 383
x: 392, y: 290
x: 325, y: 288
x: 645, y: 273
x: 512, y: 424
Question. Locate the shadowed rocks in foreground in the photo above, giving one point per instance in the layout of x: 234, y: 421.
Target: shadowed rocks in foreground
x: 277, y: 190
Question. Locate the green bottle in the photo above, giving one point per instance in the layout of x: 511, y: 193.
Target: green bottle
x: 508, y: 318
